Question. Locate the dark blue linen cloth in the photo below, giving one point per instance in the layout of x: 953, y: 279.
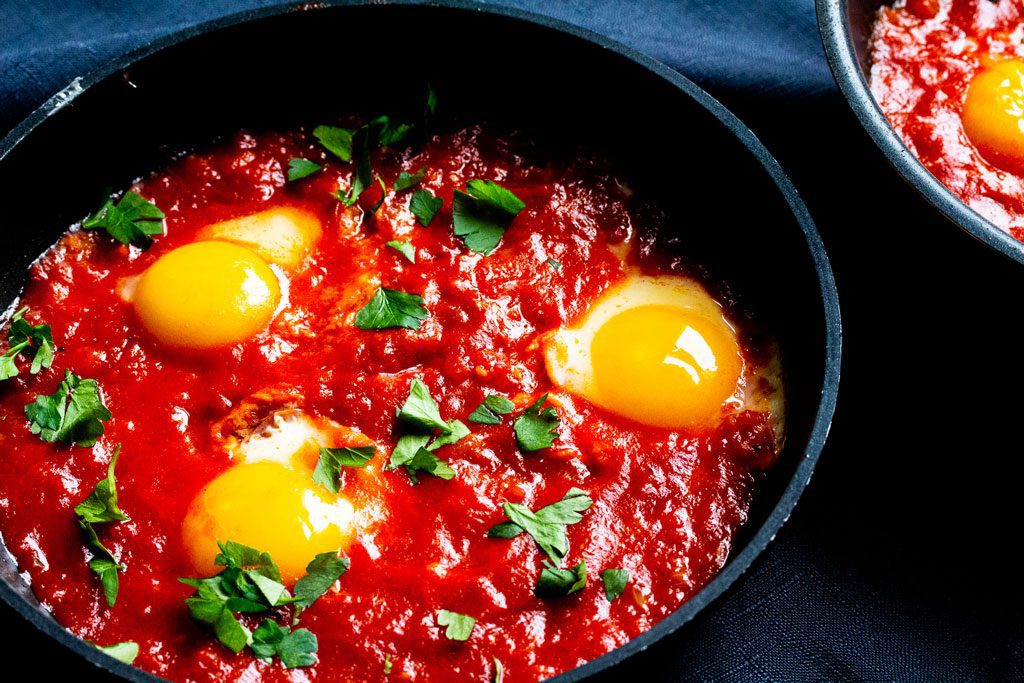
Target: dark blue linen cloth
x: 900, y: 563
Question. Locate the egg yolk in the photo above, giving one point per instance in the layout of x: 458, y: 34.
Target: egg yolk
x: 206, y: 294
x: 268, y: 506
x: 993, y: 114
x: 665, y: 366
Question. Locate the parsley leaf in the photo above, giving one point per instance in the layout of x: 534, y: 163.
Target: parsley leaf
x: 404, y: 248
x: 123, y: 652
x: 250, y: 582
x: 459, y: 626
x: 321, y: 573
x: 615, y: 581
x: 425, y: 461
x: 420, y: 409
x: 31, y: 341
x: 420, y: 413
x: 425, y: 205
x: 387, y: 665
x: 556, y: 583
x: 482, y: 214
x: 555, y: 265
x: 390, y: 308
x: 337, y: 141
x: 301, y: 168
x: 294, y: 648
x: 102, y: 562
x: 547, y: 525
x: 536, y: 427
x: 328, y: 467
x: 74, y: 414
x: 101, y: 505
x: 133, y: 220
x: 488, y: 412
x: 407, y: 180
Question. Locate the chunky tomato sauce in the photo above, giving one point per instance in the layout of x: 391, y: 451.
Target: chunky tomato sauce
x: 924, y: 54
x: 666, y: 503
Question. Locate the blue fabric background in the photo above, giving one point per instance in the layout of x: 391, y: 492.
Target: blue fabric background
x: 900, y: 561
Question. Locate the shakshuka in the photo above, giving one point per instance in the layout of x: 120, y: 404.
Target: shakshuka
x: 379, y: 401
x: 949, y: 76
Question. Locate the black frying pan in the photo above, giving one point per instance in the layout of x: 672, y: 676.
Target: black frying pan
x: 735, y: 208
x: 845, y: 31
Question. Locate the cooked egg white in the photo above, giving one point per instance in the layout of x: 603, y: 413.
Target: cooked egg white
x: 206, y: 295
x: 268, y: 499
x: 655, y: 349
x: 283, y: 235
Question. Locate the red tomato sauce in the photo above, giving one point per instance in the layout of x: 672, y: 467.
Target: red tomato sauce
x: 666, y: 503
x: 924, y: 54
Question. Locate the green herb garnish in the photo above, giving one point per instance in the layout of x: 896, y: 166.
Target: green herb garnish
x: 102, y: 562
x: 415, y: 450
x: 328, y: 467
x: 537, y: 427
x: 556, y: 583
x: 294, y: 648
x: 482, y: 214
x: 404, y: 248
x: 387, y: 665
x: 301, y: 168
x: 74, y: 414
x: 489, y: 412
x: 425, y: 205
x: 123, y: 652
x: 547, y: 525
x: 555, y: 265
x: 499, y: 671
x: 420, y: 409
x: 132, y: 220
x: 250, y: 582
x: 615, y: 581
x: 321, y: 573
x: 407, y: 180
x: 31, y: 341
x: 390, y: 308
x: 458, y: 626
x: 99, y: 508
x: 337, y: 141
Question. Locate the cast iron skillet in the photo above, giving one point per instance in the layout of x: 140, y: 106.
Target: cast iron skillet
x: 845, y: 31
x: 301, y: 64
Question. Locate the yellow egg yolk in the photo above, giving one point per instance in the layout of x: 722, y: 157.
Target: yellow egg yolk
x: 665, y: 366
x: 993, y: 114
x: 206, y: 294
x: 268, y: 506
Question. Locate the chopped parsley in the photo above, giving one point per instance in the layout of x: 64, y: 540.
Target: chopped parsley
x: 250, y: 582
x: 328, y: 467
x: 387, y: 665
x: 482, y: 214
x: 425, y: 205
x: 557, y: 583
x: 489, y: 412
x: 74, y: 414
x: 547, y: 525
x: 615, y: 581
x: 404, y: 248
x: 123, y: 652
x: 132, y: 220
x: 415, y: 450
x: 30, y: 341
x: 101, y: 505
x: 302, y: 168
x: 337, y: 141
x: 555, y: 265
x: 537, y: 427
x: 459, y: 626
x: 390, y: 308
x: 380, y: 202
x: 294, y: 648
x: 102, y: 562
x: 406, y: 180
x: 321, y: 573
